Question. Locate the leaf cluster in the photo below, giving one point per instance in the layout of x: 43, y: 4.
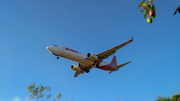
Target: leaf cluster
x: 38, y: 92
x: 58, y: 96
x: 175, y: 97
x: 147, y: 7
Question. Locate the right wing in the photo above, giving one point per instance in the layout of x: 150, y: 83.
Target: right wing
x: 111, y: 51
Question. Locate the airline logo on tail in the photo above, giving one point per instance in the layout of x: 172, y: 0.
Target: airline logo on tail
x: 114, y: 62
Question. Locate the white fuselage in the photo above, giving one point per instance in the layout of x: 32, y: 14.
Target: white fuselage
x: 72, y: 55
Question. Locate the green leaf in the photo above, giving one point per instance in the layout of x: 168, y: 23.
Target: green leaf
x: 146, y: 13
x: 45, y: 87
x: 143, y: 9
x: 149, y: 6
x: 59, y: 95
x: 71, y: 99
x: 29, y: 99
x: 49, y: 96
x: 31, y: 87
x: 48, y: 88
x: 41, y: 89
x: 141, y: 4
x: 34, y: 92
x: 40, y: 96
x: 153, y: 8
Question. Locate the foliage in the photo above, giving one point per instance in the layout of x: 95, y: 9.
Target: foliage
x: 38, y: 92
x: 141, y: 4
x: 175, y: 97
x: 163, y: 98
x: 147, y: 6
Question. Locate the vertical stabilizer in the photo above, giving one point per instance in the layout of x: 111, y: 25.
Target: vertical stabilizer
x: 114, y: 61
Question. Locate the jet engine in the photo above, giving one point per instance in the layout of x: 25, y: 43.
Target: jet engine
x: 92, y: 56
x: 75, y: 67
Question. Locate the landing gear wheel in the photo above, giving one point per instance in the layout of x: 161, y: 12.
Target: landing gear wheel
x: 87, y: 70
x: 58, y: 57
x: 97, y: 65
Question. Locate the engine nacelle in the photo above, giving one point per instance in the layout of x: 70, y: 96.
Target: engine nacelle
x: 75, y: 67
x: 92, y: 56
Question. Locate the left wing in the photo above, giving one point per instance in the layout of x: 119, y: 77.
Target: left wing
x: 83, y: 68
x: 111, y: 51
x: 77, y: 73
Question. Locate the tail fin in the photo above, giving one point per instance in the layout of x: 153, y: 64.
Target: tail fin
x: 114, y: 61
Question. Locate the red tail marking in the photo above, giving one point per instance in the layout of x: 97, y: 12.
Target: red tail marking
x: 114, y: 62
x: 111, y: 66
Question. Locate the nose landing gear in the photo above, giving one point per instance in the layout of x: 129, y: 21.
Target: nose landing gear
x: 56, y: 54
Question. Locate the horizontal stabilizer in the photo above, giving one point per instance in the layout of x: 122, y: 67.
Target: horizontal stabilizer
x: 111, y: 72
x: 119, y: 66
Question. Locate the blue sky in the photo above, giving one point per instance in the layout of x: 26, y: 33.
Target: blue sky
x: 28, y: 26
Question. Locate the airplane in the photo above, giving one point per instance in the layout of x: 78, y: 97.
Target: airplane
x: 89, y: 61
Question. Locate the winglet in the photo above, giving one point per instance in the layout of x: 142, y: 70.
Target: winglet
x: 131, y: 39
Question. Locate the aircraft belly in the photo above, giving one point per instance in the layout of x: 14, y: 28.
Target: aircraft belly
x: 103, y: 64
x: 78, y: 57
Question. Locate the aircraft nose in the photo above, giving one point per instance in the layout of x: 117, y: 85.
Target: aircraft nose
x: 49, y: 48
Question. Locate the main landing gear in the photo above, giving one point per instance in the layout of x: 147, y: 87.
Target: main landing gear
x: 58, y: 57
x: 87, y: 70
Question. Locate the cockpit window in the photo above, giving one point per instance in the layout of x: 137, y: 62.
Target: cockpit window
x: 55, y: 45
